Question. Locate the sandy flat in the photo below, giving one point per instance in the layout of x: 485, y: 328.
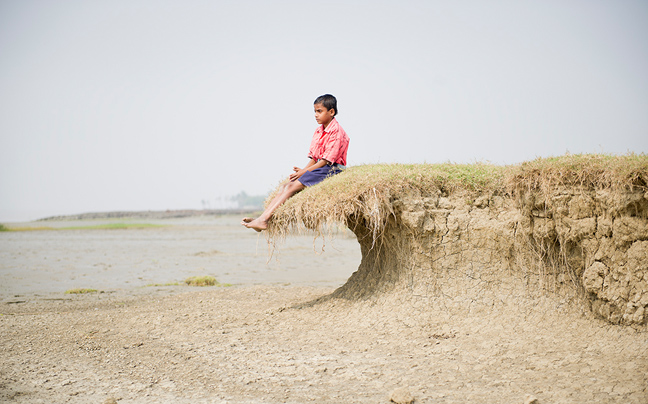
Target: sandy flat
x: 53, y: 261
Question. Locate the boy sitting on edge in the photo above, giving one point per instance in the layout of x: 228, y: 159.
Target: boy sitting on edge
x: 327, y: 153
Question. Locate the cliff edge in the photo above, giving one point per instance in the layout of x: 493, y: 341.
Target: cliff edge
x: 575, y: 225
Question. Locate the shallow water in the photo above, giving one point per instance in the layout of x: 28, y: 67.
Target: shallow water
x: 45, y: 261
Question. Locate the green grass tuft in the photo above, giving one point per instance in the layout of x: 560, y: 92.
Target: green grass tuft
x: 79, y: 291
x: 3, y: 227
x: 201, y: 281
x: 164, y: 284
x: 110, y: 226
x: 27, y: 228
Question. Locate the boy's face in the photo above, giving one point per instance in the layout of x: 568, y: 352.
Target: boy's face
x: 323, y: 116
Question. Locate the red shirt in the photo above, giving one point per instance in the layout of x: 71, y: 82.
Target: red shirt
x: 330, y: 144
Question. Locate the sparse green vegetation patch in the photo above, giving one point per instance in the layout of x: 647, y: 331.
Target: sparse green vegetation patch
x: 201, y: 281
x: 79, y: 291
x: 107, y: 226
x: 164, y: 284
x: 114, y: 226
x: 27, y: 228
x: 204, y: 281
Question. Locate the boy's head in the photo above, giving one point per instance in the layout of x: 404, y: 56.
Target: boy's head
x: 328, y: 101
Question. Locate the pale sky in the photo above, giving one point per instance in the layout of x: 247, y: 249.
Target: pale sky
x: 153, y: 104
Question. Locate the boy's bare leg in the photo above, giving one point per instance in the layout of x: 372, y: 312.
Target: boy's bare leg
x: 276, y: 197
x: 261, y: 222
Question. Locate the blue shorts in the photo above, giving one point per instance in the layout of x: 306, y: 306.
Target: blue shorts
x: 318, y: 175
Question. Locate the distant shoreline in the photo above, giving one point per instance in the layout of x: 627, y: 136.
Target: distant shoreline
x: 149, y: 214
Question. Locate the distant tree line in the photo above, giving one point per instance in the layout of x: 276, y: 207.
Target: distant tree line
x: 240, y: 201
x: 245, y: 201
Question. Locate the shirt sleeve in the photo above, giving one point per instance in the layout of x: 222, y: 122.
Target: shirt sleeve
x: 312, y: 150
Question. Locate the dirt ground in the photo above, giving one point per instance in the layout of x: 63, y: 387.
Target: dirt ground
x: 266, y: 339
x: 267, y: 344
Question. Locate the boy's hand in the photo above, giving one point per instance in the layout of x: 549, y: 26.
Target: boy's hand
x: 298, y: 173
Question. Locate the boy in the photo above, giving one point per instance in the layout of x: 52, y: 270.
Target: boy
x: 327, y: 154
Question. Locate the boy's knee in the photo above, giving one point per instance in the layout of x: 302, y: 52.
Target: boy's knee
x: 294, y: 187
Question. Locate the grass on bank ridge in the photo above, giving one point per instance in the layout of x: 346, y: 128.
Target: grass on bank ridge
x: 367, y: 190
x: 596, y: 171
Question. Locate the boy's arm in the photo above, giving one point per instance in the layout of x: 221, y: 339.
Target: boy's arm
x: 312, y: 165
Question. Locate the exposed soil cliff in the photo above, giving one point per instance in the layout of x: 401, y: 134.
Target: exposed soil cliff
x: 600, y: 238
x: 582, y: 240
x: 576, y: 240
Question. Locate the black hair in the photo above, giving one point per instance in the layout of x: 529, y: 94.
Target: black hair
x: 328, y: 101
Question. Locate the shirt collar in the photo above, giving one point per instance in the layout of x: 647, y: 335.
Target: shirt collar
x: 330, y: 126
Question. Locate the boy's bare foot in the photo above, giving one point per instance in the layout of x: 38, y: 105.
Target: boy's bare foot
x: 256, y: 224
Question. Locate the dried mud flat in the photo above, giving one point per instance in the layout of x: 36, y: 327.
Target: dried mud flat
x: 273, y: 344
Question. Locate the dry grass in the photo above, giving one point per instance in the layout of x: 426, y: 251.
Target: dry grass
x: 366, y: 191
